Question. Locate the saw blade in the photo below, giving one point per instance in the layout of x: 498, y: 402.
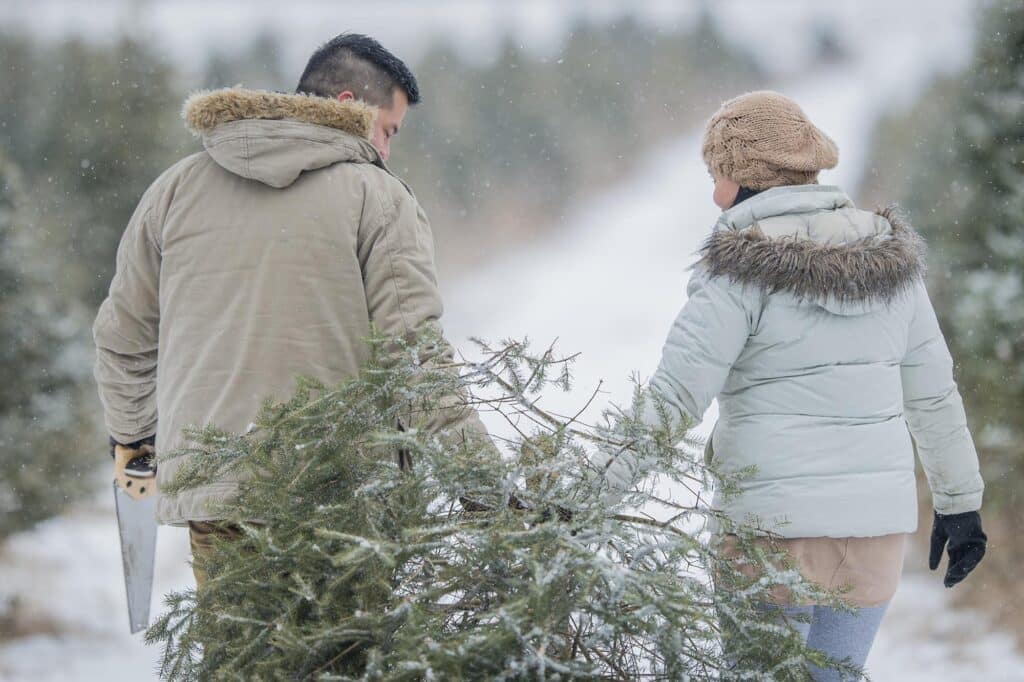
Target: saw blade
x: 136, y: 521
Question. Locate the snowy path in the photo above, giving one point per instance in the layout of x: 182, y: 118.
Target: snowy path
x: 607, y: 285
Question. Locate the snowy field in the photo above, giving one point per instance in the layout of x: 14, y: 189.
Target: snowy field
x: 607, y: 285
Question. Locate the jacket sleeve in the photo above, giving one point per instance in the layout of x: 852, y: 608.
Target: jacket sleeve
x: 126, y: 332
x: 706, y: 338
x: 935, y: 414
x: 396, y: 253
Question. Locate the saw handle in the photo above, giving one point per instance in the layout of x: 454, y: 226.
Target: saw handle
x: 135, y: 470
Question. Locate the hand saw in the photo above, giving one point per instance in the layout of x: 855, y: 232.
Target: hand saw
x: 135, y: 498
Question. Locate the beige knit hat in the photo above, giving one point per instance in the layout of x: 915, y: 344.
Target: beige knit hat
x: 764, y: 139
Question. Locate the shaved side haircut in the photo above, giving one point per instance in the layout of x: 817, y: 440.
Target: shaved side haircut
x: 361, y: 65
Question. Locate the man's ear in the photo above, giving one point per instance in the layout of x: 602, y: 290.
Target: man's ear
x: 345, y: 95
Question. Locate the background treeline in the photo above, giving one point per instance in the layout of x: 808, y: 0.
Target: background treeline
x: 39, y: 377
x: 83, y: 131
x: 955, y: 161
x: 495, y: 152
x: 498, y: 151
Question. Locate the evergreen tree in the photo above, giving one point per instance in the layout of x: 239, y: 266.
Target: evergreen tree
x: 257, y: 65
x: 956, y: 162
x: 450, y: 562
x: 519, y: 131
x: 967, y: 197
x: 91, y: 126
x: 984, y: 250
x: 39, y: 469
x: 84, y: 130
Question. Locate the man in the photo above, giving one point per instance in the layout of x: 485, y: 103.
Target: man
x: 265, y: 257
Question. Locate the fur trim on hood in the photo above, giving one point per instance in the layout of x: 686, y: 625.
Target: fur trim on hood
x: 872, y: 269
x: 205, y: 110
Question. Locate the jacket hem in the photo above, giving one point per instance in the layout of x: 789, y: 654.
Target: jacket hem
x: 196, y: 504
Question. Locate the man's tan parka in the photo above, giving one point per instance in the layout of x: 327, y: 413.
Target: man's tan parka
x: 265, y: 257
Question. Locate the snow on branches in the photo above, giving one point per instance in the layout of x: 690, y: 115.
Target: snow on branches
x: 376, y: 548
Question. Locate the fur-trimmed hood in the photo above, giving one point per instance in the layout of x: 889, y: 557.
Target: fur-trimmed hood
x: 273, y: 137
x: 207, y: 109
x: 811, y: 242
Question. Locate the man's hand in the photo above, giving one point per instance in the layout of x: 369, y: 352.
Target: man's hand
x: 135, y: 467
x: 966, y: 544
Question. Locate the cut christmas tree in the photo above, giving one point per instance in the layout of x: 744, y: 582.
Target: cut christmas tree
x: 374, y: 548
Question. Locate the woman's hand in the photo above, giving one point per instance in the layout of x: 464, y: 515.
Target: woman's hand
x: 966, y: 542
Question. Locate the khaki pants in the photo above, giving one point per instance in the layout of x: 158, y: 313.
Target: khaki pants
x: 201, y: 536
x: 869, y: 568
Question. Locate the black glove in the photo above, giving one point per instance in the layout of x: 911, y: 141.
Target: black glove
x: 966, y: 544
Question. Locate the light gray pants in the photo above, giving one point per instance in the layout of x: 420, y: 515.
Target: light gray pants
x: 840, y: 634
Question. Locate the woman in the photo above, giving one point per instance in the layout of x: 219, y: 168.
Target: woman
x: 809, y: 320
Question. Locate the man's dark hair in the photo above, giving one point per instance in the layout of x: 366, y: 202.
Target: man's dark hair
x: 360, y: 64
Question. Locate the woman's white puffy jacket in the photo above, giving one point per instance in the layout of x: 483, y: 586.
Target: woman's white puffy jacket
x: 809, y: 320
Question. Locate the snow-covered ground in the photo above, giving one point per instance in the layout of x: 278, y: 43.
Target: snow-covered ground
x: 67, y: 575
x: 607, y: 285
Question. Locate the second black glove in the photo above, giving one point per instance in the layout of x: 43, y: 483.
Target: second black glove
x: 966, y: 544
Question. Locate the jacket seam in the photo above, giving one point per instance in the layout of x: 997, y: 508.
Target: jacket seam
x: 248, y: 164
x: 142, y: 386
x: 245, y: 137
x: 846, y: 552
x: 974, y: 491
x: 852, y: 363
x: 746, y: 415
x: 145, y: 222
x: 111, y: 327
x: 385, y: 222
x: 843, y: 474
